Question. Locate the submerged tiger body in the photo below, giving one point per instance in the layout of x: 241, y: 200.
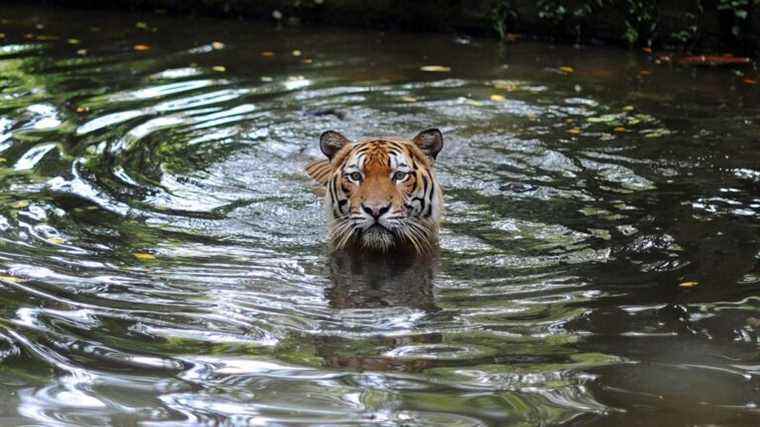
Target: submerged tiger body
x: 381, y: 193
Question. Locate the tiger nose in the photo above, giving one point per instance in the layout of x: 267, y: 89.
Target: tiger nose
x: 376, y: 210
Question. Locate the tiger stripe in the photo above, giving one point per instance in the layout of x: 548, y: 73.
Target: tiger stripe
x: 381, y: 193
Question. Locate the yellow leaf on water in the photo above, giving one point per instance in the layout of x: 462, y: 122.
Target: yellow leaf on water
x: 267, y: 54
x: 12, y: 279
x: 217, y: 45
x: 141, y: 47
x: 408, y: 99
x: 296, y: 52
x: 567, y: 70
x: 307, y: 61
x: 507, y: 85
x: 436, y: 68
x: 143, y: 256
x: 141, y: 25
x: 21, y: 204
x: 56, y: 241
x: 73, y: 41
x: 498, y: 98
x: 3, y: 160
x: 82, y: 52
x: 628, y: 108
x: 574, y: 131
x: 619, y: 129
x: 219, y: 68
x: 688, y: 284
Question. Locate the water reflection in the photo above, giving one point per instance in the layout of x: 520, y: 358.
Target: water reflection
x: 370, y: 280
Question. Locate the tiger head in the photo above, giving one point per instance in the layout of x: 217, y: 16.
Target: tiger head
x: 381, y: 193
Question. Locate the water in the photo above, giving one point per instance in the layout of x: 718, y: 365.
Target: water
x: 163, y: 258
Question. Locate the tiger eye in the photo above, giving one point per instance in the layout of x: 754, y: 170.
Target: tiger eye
x: 399, y: 176
x: 355, y: 176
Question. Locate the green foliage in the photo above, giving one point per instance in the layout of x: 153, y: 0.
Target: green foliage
x: 570, y: 13
x: 502, y: 13
x: 740, y: 14
x: 641, y: 19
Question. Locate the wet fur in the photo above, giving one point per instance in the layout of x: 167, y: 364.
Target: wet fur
x: 415, y: 204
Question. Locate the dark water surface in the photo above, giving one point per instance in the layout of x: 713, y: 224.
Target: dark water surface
x: 163, y: 258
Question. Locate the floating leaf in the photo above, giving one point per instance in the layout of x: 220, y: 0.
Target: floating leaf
x: 82, y: 52
x: 574, y: 131
x: 82, y: 109
x: 141, y: 47
x: 307, y: 61
x: 266, y: 79
x: 73, y: 41
x: 142, y: 25
x: 12, y: 279
x: 688, y: 284
x: 620, y: 129
x: 219, y: 68
x: 2, y: 35
x: 3, y: 160
x: 144, y: 256
x: 507, y: 85
x: 498, y: 98
x: 628, y: 108
x: 296, y: 52
x: 408, y: 99
x: 267, y: 54
x: 21, y: 204
x: 217, y: 45
x: 714, y: 60
x: 56, y: 241
x: 567, y: 70
x: 656, y: 133
x: 436, y: 68
x: 47, y: 38
x: 749, y: 81
x: 644, y: 72
x: 647, y: 50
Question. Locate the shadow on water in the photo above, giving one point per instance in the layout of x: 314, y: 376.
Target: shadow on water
x: 162, y: 256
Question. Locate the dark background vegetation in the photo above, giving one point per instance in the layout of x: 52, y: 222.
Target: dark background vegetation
x: 688, y: 25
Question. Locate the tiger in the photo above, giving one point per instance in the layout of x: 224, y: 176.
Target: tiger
x: 381, y: 193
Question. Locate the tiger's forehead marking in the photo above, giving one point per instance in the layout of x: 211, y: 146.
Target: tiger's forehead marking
x: 378, y: 153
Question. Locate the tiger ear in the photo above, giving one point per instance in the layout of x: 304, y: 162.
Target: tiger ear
x: 331, y: 142
x: 430, y: 142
